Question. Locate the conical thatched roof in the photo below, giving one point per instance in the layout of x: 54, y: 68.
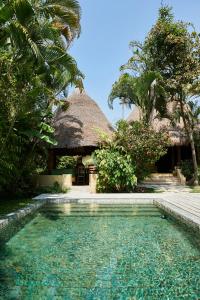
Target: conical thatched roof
x: 77, y: 126
x: 176, y: 133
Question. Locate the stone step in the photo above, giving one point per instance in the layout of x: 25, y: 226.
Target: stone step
x: 103, y: 214
x: 150, y: 183
x: 80, y: 188
x: 87, y: 211
x: 162, y: 179
x: 162, y: 175
x: 97, y: 205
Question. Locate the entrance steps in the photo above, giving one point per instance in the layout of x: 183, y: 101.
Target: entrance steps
x: 80, y: 189
x: 162, y: 179
x: 101, y: 210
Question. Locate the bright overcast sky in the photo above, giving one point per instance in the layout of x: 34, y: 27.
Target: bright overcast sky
x: 107, y: 28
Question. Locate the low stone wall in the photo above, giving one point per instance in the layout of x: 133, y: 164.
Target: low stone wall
x: 20, y: 213
x: 13, y: 222
x: 65, y: 180
x: 180, y: 176
x: 93, y: 183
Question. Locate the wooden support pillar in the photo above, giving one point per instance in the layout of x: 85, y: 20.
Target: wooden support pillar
x: 173, y: 158
x: 197, y: 154
x: 51, y: 161
x: 178, y: 155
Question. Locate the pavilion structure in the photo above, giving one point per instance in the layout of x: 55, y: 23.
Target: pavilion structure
x: 77, y: 128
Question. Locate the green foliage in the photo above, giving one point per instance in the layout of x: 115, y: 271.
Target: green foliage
x: 88, y: 161
x: 115, y: 171
x: 173, y: 49
x: 140, y: 89
x: 164, y: 69
x: 187, y: 169
x: 55, y: 189
x: 142, y: 143
x: 131, y: 154
x: 67, y: 162
x: 35, y: 67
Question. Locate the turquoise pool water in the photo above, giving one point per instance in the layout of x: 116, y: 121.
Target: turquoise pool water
x: 71, y: 251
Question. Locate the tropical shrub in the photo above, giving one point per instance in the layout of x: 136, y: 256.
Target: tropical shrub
x: 128, y: 156
x: 67, y: 162
x: 88, y: 161
x: 144, y: 145
x: 116, y: 171
x: 54, y: 189
x: 187, y: 169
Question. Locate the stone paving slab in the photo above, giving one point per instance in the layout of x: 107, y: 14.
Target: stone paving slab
x: 167, y: 187
x: 80, y: 195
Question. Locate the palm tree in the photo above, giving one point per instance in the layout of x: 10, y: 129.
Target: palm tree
x: 65, y: 15
x: 34, y: 37
x: 42, y: 31
x: 124, y: 103
x: 144, y: 91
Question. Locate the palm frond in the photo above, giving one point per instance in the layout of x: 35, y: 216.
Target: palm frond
x: 6, y: 12
x: 24, y: 10
x: 20, y: 36
x: 64, y: 18
x: 71, y: 4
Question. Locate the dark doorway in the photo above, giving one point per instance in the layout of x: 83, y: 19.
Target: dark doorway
x: 173, y: 158
x: 82, y: 174
x: 186, y: 153
x: 165, y: 163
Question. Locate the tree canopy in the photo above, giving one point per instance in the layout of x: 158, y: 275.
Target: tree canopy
x: 36, y: 66
x: 163, y: 69
x: 173, y: 48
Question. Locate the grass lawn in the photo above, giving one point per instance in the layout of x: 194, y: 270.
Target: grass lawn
x: 10, y: 205
x: 195, y: 189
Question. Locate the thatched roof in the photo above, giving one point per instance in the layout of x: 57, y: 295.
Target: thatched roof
x: 176, y: 133
x: 77, y: 126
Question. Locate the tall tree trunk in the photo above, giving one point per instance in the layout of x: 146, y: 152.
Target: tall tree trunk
x: 191, y: 140
x: 152, y: 100
x: 194, y: 158
x: 123, y: 110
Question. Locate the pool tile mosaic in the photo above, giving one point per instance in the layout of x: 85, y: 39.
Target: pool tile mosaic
x: 71, y: 251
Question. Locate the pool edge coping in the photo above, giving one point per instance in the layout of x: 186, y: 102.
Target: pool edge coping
x: 178, y: 213
x: 20, y: 213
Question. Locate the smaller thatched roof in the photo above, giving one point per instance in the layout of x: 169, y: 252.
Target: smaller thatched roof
x: 176, y: 133
x: 77, y: 127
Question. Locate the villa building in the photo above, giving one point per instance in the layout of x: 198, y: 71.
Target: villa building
x: 77, y: 131
x: 78, y: 127
x: 178, y: 150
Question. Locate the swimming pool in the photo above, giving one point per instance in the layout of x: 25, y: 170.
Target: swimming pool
x: 98, y: 251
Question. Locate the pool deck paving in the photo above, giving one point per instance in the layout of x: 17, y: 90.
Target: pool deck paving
x: 182, y: 205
